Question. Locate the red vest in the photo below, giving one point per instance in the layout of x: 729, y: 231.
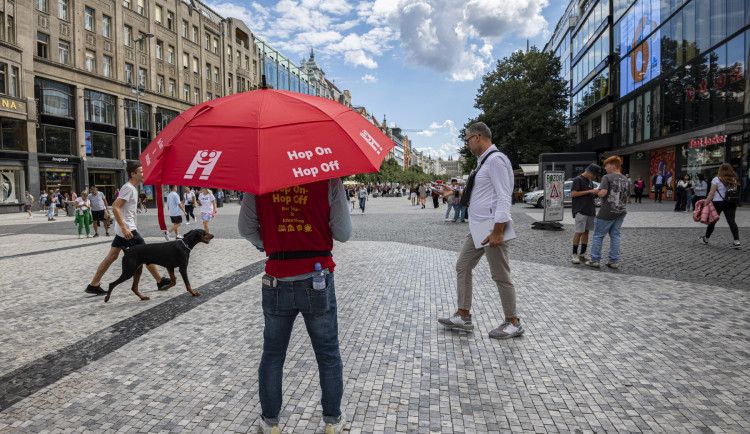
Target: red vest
x: 295, y: 219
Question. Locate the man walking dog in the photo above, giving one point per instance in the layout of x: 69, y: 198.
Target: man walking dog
x: 294, y: 253
x: 126, y: 234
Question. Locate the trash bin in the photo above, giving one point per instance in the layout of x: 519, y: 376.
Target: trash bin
x: 70, y: 208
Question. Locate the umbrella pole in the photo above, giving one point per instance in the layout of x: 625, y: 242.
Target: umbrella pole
x: 160, y: 207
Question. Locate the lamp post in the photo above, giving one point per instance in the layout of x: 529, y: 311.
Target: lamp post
x: 138, y: 90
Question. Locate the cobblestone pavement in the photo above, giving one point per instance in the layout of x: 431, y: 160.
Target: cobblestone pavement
x: 659, y: 345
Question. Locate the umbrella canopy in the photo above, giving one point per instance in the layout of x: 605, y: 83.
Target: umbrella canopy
x: 263, y: 140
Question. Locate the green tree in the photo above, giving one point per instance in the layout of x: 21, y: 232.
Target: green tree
x: 524, y: 102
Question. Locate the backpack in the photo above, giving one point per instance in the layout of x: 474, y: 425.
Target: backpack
x: 732, y: 194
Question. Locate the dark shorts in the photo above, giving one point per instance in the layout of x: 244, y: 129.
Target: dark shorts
x: 121, y: 243
x: 176, y: 219
x: 27, y: 207
x: 97, y: 215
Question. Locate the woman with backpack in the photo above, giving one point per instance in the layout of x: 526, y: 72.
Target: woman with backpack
x: 724, y: 195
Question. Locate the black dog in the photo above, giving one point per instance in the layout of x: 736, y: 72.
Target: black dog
x: 170, y: 255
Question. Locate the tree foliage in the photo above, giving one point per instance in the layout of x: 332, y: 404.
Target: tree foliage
x: 524, y: 102
x: 391, y: 171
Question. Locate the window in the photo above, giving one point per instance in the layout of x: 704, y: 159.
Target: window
x: 184, y: 29
x: 170, y: 55
x: 170, y: 20
x: 107, y: 66
x: 160, y: 83
x: 126, y: 3
x: 158, y: 14
x: 62, y: 9
x: 106, y: 26
x: 194, y: 35
x: 135, y: 113
x: 14, y: 77
x: 128, y: 73
x: 142, y: 77
x: 10, y: 35
x: 196, y: 98
x: 90, y: 61
x: 128, y: 36
x: 99, y: 107
x: 141, y: 42
x: 596, y: 126
x: 229, y: 80
x: 142, y: 7
x: 229, y: 52
x: 185, y: 61
x: 63, y: 52
x: 216, y: 46
x: 239, y: 59
x: 42, y: 45
x: 195, y: 65
x: 207, y: 42
x: 41, y: 5
x: 102, y: 145
x: 3, y: 78
x: 216, y: 75
x: 55, y: 98
x: 208, y: 96
x: 172, y: 88
x: 247, y: 63
x: 208, y: 72
x: 186, y: 92
x: 88, y: 19
x: 13, y: 136
x: 159, y: 49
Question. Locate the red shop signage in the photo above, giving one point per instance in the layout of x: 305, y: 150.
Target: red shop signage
x: 705, y: 141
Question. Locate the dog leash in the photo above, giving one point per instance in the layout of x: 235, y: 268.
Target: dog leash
x: 186, y: 246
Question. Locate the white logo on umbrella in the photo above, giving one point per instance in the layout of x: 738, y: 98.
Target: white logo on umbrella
x: 205, y: 160
x: 370, y: 141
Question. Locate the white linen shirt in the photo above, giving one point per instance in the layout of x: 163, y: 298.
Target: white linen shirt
x: 493, y: 187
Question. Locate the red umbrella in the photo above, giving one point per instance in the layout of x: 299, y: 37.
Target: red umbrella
x: 261, y: 141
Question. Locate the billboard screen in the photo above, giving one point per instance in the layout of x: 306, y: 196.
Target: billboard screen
x: 644, y: 61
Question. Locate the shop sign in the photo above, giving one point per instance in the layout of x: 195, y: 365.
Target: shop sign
x: 640, y: 155
x: 705, y: 141
x: 10, y: 104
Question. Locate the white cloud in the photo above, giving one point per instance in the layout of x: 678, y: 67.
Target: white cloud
x: 368, y: 78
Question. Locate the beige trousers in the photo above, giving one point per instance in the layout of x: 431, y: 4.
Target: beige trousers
x: 499, y: 261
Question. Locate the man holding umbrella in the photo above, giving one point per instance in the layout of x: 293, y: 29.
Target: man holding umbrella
x: 296, y: 244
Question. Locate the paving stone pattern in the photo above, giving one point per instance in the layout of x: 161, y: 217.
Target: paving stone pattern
x: 604, y: 351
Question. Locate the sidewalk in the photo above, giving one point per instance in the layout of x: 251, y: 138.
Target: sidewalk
x: 603, y: 352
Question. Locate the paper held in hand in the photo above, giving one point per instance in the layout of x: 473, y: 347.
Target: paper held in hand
x: 480, y: 231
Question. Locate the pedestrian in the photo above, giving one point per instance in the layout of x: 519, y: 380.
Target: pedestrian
x: 51, y: 206
x: 413, y: 194
x: 639, y: 189
x: 83, y: 214
x: 176, y: 210
x: 188, y: 204
x: 422, y: 191
x: 99, y: 208
x: 435, y: 196
x: 117, y: 193
x: 59, y: 202
x: 27, y: 205
x: 142, y: 202
x: 615, y: 193
x: 452, y: 197
x: 658, y: 182
x: 352, y: 199
x: 43, y: 201
x: 681, y: 194
x: 126, y: 232
x: 724, y: 194
x: 700, y: 189
x: 72, y: 196
x: 689, y: 194
x: 489, y: 188
x: 207, y: 203
x: 363, y: 197
x: 288, y: 290
x: 584, y: 210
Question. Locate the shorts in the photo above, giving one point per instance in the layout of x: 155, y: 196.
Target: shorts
x: 206, y: 216
x: 413, y: 194
x: 97, y: 215
x: 584, y: 223
x: 121, y: 243
x: 176, y: 219
x: 27, y: 207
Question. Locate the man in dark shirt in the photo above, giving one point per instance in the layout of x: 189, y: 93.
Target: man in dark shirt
x: 582, y: 193
x: 658, y: 182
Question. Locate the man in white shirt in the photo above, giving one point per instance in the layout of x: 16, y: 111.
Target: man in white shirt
x: 176, y: 210
x: 98, y: 206
x: 490, y: 196
x: 126, y: 234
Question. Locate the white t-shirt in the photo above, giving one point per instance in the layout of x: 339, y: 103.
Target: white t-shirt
x: 97, y: 201
x: 188, y: 199
x: 129, y: 194
x: 721, y: 190
x: 83, y: 206
x: 206, y: 201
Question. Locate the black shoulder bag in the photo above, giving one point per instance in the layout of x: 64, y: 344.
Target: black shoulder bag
x: 466, y: 196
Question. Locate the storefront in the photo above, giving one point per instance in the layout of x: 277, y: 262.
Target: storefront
x: 12, y: 181
x: 105, y: 181
x: 704, y: 155
x: 59, y: 173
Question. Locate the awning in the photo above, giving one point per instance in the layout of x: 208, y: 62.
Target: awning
x: 529, y: 169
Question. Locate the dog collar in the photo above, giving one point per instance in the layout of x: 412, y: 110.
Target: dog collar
x: 186, y: 246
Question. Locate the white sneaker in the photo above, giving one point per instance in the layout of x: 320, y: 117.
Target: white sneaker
x: 336, y: 428
x: 88, y: 235
x: 267, y: 428
x: 575, y: 258
x: 187, y: 223
x: 507, y: 330
x: 80, y: 236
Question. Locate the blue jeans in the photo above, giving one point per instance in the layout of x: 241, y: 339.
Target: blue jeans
x: 602, y: 228
x: 51, y: 211
x: 318, y: 307
x: 450, y: 206
x: 460, y: 213
x: 362, y: 201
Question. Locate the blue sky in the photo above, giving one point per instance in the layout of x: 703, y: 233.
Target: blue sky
x: 417, y: 62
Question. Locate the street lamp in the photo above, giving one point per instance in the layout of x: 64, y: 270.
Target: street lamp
x: 138, y: 90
